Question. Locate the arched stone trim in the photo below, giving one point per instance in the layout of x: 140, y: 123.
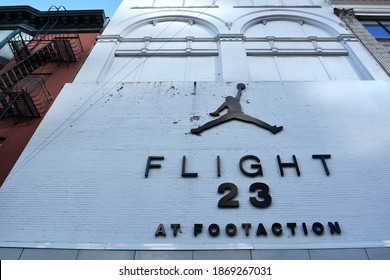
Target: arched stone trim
x: 332, y: 31
x: 211, y: 23
x: 332, y: 27
x: 172, y: 19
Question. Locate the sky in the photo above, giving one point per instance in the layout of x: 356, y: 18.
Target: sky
x: 109, y: 6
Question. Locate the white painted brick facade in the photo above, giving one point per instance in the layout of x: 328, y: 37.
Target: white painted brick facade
x: 80, y: 182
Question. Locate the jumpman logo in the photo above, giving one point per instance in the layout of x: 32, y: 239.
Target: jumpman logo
x: 232, y: 104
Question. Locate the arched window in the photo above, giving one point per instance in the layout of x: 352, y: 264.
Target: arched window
x: 167, y: 49
x: 293, y: 49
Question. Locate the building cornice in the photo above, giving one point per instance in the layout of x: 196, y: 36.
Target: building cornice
x: 31, y: 19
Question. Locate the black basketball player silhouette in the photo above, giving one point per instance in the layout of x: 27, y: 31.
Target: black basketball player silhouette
x: 232, y: 104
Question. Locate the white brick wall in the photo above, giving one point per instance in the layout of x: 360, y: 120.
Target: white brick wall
x: 80, y: 182
x: 85, y: 187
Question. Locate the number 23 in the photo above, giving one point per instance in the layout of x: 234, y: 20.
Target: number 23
x: 262, y: 200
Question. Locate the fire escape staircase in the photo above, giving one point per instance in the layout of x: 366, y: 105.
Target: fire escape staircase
x: 31, y: 54
x: 18, y: 104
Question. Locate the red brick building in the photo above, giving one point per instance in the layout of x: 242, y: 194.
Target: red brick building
x: 39, y: 53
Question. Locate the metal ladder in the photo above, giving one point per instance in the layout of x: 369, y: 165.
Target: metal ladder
x: 59, y: 49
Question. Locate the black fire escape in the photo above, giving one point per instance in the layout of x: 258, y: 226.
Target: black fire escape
x: 16, y: 99
x: 23, y: 93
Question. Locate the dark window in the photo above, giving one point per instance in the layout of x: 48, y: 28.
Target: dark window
x: 378, y: 29
x: 2, y: 139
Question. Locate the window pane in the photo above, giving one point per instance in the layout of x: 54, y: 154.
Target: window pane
x: 284, y: 28
x: 339, y: 68
x: 201, y: 68
x: 151, y: 69
x: 378, y: 31
x: 164, y: 69
x: 263, y: 68
x: 301, y: 68
x: 125, y: 69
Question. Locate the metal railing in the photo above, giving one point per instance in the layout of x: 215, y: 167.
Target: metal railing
x: 29, y: 99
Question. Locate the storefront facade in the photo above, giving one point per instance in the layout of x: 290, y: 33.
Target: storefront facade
x: 211, y: 126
